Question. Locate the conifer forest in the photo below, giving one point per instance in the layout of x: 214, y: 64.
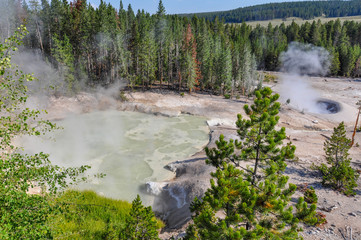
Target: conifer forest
x: 99, y: 45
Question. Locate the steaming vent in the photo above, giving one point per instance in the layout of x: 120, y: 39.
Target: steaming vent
x: 326, y: 106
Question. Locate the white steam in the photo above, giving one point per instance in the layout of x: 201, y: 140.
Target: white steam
x: 305, y: 59
x: 299, y: 62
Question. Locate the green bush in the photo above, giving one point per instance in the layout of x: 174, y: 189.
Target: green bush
x: 270, y: 78
x: 123, y: 97
x: 338, y: 173
x: 310, y: 195
x: 227, y: 96
x: 321, y: 219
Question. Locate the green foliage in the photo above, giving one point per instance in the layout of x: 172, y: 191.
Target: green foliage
x: 310, y: 195
x: 141, y: 223
x: 63, y: 53
x: 268, y: 77
x: 338, y: 173
x: 321, y: 219
x: 227, y: 96
x: 24, y: 216
x: 123, y: 97
x: 86, y: 215
x: 251, y: 202
x: 305, y: 213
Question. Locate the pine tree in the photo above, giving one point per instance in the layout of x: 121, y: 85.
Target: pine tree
x: 251, y: 202
x: 147, y: 54
x: 247, y: 70
x: 204, y: 54
x: 160, y: 34
x: 63, y: 53
x: 190, y: 64
x: 339, y: 174
x: 335, y: 62
x: 141, y: 223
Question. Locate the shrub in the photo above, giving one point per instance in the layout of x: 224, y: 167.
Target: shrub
x: 310, y: 195
x: 338, y: 173
x: 270, y: 78
x: 123, y: 97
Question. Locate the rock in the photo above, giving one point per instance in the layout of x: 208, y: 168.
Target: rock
x: 181, y: 235
x: 171, y: 167
x: 353, y: 214
x: 315, y: 121
x: 328, y: 209
x: 220, y: 122
x: 155, y: 188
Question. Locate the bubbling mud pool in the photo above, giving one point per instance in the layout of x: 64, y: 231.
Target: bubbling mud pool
x: 328, y: 106
x: 130, y: 148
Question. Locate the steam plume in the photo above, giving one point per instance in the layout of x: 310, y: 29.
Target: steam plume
x: 305, y: 59
x: 299, y: 62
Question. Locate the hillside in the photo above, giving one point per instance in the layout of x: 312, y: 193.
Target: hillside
x: 300, y: 21
x: 303, y: 10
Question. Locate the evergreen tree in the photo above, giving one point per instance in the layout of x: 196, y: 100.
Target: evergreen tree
x: 141, y: 223
x: 254, y: 201
x: 147, y: 54
x: 204, y: 54
x: 292, y: 32
x: 247, y: 71
x: 339, y: 174
x: 63, y: 53
x: 335, y: 62
x: 190, y: 63
x: 160, y: 34
x: 223, y: 68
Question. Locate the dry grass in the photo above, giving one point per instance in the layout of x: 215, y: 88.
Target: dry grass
x: 299, y: 21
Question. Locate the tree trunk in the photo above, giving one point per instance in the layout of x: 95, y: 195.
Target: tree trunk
x: 39, y: 37
x: 257, y: 159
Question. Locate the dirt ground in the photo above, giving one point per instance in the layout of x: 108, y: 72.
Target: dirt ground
x: 307, y: 131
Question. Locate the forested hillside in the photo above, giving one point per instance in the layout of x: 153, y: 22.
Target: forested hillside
x: 304, y: 10
x: 101, y: 45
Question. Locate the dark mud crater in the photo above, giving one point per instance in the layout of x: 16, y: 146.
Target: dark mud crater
x: 326, y: 106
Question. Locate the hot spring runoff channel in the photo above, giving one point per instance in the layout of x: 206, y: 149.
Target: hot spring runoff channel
x: 130, y: 148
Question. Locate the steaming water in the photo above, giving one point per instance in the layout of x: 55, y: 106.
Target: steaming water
x: 130, y: 148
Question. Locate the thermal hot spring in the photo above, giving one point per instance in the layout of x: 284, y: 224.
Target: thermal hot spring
x: 130, y: 148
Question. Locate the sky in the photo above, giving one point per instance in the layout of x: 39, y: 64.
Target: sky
x: 187, y: 6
